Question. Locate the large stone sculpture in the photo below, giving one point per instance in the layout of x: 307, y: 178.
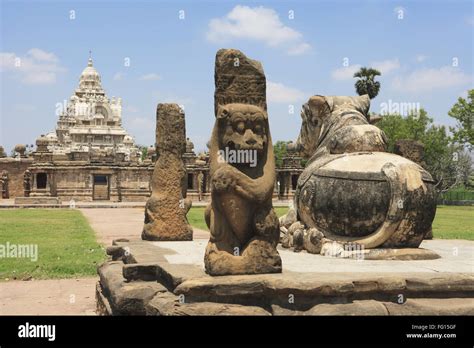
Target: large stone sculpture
x: 352, y: 191
x: 243, y: 225
x: 165, y: 211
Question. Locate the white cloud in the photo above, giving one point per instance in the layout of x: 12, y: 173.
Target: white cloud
x: 421, y: 58
x: 150, y: 77
x: 43, y: 56
x: 36, y: 67
x: 346, y: 72
x: 279, y: 93
x: 258, y: 24
x: 118, y: 76
x: 386, y: 66
x: 423, y: 80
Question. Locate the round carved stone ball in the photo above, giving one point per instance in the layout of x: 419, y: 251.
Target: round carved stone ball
x: 20, y: 148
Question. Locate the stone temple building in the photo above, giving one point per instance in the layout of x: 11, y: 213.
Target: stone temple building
x: 91, y: 157
x: 91, y: 124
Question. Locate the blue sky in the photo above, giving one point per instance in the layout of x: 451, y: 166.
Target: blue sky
x: 424, y: 50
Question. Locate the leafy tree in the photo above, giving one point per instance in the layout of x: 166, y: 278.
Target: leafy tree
x: 143, y: 151
x: 451, y: 169
x: 463, y: 112
x: 446, y: 160
x: 397, y: 127
x: 279, y: 149
x: 366, y: 83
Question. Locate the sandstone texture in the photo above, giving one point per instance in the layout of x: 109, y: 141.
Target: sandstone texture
x: 352, y: 191
x: 244, y: 227
x: 153, y: 279
x: 165, y: 211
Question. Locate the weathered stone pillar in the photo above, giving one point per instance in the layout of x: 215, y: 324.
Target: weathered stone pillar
x: 165, y: 210
x: 244, y: 227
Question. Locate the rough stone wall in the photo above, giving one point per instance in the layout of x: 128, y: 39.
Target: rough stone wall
x: 16, y: 169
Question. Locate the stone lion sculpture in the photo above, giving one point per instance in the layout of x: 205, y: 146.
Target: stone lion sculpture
x: 351, y: 190
x: 243, y: 225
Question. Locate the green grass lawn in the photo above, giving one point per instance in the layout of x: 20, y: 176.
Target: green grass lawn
x: 451, y: 222
x: 66, y: 244
x: 196, y: 218
x: 454, y: 222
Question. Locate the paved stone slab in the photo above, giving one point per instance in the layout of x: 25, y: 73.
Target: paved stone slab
x: 179, y: 266
x: 143, y: 260
x: 309, y: 284
x: 456, y: 256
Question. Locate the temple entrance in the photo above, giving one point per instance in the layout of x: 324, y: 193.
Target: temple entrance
x: 101, y: 188
x: 190, y: 181
x: 294, y: 181
x: 41, y: 180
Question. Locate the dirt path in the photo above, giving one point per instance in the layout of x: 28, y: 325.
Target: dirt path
x: 74, y: 296
x: 110, y: 224
x: 48, y: 297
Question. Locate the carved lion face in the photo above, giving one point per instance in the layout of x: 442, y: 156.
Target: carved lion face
x: 312, y: 115
x: 243, y: 127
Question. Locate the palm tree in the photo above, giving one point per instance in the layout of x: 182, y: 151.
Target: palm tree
x: 366, y: 83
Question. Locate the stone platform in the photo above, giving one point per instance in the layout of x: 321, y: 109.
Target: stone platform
x: 37, y: 200
x: 168, y: 278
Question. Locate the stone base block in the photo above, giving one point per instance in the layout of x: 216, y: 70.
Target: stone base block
x: 168, y: 278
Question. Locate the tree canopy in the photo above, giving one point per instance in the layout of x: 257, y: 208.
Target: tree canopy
x: 366, y: 83
x: 463, y: 112
x: 279, y: 149
x: 447, y: 161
